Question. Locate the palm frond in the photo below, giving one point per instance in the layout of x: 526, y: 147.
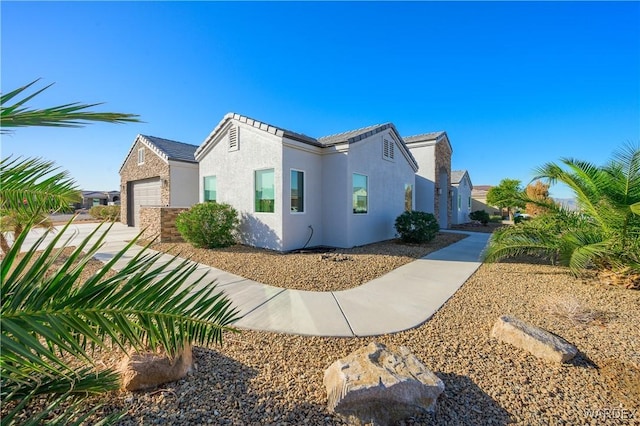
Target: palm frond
x: 67, y: 115
x: 34, y: 185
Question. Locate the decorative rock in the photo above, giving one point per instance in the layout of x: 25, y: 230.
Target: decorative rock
x: 537, y: 341
x: 148, y: 370
x: 374, y: 385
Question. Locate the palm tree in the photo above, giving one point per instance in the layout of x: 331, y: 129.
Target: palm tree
x: 49, y: 317
x: 604, y: 234
x: 30, y: 189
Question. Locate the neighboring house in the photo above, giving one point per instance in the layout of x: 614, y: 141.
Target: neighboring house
x: 461, y: 200
x: 433, y: 181
x: 479, y: 200
x: 98, y: 198
x: 294, y: 190
x: 157, y: 172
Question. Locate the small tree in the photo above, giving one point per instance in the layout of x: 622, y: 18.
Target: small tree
x: 538, y: 192
x: 209, y: 225
x: 417, y: 227
x: 507, y: 195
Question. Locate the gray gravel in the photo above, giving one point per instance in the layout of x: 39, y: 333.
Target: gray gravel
x: 260, y: 378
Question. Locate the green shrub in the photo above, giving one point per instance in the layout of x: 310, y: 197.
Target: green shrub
x: 495, y: 218
x: 105, y: 212
x: 416, y: 227
x: 209, y: 225
x: 480, y: 215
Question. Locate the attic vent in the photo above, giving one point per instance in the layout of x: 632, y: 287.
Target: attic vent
x: 233, y: 139
x: 388, y: 149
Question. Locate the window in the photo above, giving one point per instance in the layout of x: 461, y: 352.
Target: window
x: 469, y: 203
x: 360, y: 201
x: 209, y: 185
x: 265, y: 191
x: 408, y: 197
x: 140, y: 156
x: 297, y: 191
x: 388, y: 147
x: 459, y: 202
x: 233, y: 139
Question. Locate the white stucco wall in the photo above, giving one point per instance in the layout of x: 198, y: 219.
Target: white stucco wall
x: 295, y: 225
x: 234, y: 171
x: 184, y: 184
x: 386, y: 182
x: 425, y: 154
x: 462, y: 192
x: 336, y: 198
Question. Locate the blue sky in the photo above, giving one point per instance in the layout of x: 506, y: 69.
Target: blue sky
x: 514, y: 84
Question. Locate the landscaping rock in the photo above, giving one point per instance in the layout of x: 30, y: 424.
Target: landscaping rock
x: 535, y: 340
x: 374, y: 385
x: 148, y: 370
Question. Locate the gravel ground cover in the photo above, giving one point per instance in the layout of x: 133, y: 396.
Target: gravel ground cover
x: 258, y: 378
x: 315, y: 271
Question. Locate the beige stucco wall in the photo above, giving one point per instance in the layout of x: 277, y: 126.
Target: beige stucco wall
x: 153, y: 166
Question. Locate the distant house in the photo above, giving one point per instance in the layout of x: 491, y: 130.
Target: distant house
x: 157, y: 172
x: 479, y: 200
x: 294, y: 190
x: 461, y: 200
x: 98, y: 198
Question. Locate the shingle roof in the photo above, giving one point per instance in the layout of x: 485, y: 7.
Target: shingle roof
x: 457, y: 175
x: 424, y: 137
x: 354, y: 135
x: 172, y: 150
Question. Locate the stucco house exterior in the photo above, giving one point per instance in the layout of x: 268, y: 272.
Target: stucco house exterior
x: 293, y: 190
x: 433, y: 180
x: 461, y: 200
x: 157, y: 172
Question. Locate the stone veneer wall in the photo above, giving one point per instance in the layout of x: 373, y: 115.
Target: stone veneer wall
x: 160, y: 223
x: 153, y: 166
x: 443, y: 161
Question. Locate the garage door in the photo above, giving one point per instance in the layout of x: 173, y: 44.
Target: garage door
x: 145, y: 193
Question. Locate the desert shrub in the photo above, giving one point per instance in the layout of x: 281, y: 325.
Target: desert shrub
x: 416, y: 227
x: 209, y: 225
x: 105, y: 212
x: 480, y: 215
x: 495, y: 218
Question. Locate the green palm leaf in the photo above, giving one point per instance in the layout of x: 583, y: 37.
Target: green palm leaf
x: 67, y: 115
x: 46, y: 311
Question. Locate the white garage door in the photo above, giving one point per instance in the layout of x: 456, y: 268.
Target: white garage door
x: 145, y: 193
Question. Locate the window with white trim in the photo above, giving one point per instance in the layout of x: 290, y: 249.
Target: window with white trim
x: 234, y: 143
x: 209, y: 185
x: 360, y: 194
x: 265, y: 191
x: 297, y: 191
x: 408, y: 197
x: 388, y: 147
x: 140, y: 156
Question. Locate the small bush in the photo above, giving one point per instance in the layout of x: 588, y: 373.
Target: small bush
x: 417, y: 227
x: 105, y: 212
x: 495, y: 218
x: 209, y: 225
x: 480, y: 215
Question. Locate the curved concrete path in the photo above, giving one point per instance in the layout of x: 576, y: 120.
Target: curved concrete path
x: 402, y: 299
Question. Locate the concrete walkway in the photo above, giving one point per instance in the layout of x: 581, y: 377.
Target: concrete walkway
x: 402, y: 299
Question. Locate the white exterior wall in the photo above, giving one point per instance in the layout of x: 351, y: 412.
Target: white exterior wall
x: 336, y: 198
x: 386, y: 181
x: 425, y: 154
x: 234, y: 171
x: 296, y: 232
x: 461, y: 212
x: 184, y: 184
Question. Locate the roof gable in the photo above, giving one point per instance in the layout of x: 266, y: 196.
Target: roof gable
x: 431, y: 138
x: 457, y: 176
x: 166, y: 149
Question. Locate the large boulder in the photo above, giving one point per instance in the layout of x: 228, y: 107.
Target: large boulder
x: 140, y: 371
x: 535, y: 340
x: 375, y: 385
